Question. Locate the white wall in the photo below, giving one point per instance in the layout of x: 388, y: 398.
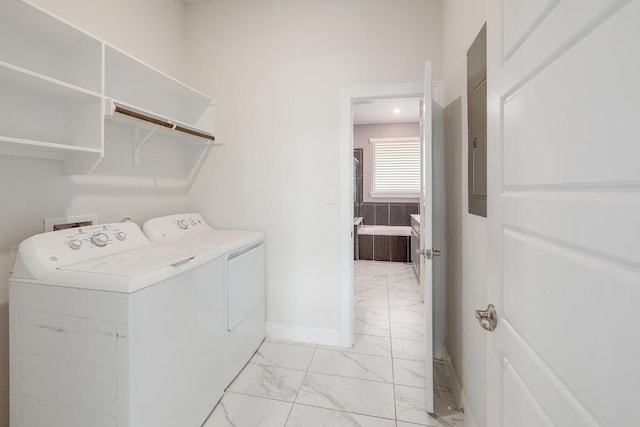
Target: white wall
x: 32, y: 189
x: 275, y: 70
x: 361, y: 136
x: 462, y: 20
x: 150, y: 30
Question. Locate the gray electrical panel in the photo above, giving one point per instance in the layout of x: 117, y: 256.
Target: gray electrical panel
x: 477, y: 106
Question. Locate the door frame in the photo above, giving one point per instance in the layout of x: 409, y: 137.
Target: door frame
x: 349, y: 96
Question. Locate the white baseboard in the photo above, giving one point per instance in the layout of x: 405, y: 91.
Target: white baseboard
x: 280, y: 332
x: 458, y: 392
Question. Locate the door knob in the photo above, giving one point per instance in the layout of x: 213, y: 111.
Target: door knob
x: 429, y: 253
x: 488, y: 318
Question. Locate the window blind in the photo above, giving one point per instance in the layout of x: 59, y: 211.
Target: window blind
x: 396, y: 166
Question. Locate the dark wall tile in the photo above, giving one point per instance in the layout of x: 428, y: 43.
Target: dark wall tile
x: 396, y: 215
x: 365, y: 246
x: 398, y: 249
x: 381, y: 248
x: 356, y: 210
x: 410, y: 209
x: 382, y: 214
x: 367, y: 212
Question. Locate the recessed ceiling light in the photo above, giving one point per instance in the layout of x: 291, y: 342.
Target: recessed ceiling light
x: 397, y: 111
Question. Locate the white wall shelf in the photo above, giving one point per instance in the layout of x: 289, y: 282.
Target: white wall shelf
x: 159, y: 96
x: 59, y: 84
x: 34, y: 40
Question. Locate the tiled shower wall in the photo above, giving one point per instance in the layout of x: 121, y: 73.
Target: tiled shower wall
x: 387, y: 213
x: 357, y: 182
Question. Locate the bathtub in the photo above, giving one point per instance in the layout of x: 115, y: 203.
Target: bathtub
x: 384, y: 243
x: 385, y: 230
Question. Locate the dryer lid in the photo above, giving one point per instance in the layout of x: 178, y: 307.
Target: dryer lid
x: 225, y: 240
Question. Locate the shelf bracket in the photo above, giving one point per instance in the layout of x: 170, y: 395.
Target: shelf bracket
x: 139, y: 142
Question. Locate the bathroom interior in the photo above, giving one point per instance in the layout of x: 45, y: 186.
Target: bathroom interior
x: 383, y: 219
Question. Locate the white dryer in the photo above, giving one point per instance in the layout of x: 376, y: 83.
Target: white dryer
x: 108, y: 329
x: 244, y: 259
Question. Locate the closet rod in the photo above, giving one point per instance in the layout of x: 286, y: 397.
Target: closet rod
x: 160, y: 122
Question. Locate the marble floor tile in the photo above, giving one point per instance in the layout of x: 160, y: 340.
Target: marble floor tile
x: 268, y: 381
x: 371, y: 302
x: 361, y: 265
x: 376, y: 292
x: 352, y: 365
x: 404, y: 304
x: 456, y: 420
x: 364, y: 269
x: 309, y: 416
x: 283, y: 355
x: 432, y: 423
x: 369, y: 344
x: 407, y: 331
x: 404, y: 286
x: 348, y: 394
x: 379, y: 282
x: 241, y: 410
x: 371, y: 313
x: 402, y: 276
x: 399, y: 266
x: 372, y: 327
x: 407, y: 349
x: 404, y: 294
x: 410, y: 405
x: 409, y: 373
x: 406, y: 316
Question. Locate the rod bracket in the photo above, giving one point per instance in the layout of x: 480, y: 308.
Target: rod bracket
x: 139, y: 142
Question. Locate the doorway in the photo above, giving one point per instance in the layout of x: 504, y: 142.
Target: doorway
x: 349, y: 98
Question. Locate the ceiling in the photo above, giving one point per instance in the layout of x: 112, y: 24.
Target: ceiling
x: 383, y: 112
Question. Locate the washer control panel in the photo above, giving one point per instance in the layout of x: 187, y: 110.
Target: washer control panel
x: 43, y: 253
x: 95, y: 236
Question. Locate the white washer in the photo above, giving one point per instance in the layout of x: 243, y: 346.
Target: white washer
x: 244, y: 282
x: 108, y: 329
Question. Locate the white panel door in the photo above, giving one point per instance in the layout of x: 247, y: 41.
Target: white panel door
x: 564, y: 213
x: 426, y: 229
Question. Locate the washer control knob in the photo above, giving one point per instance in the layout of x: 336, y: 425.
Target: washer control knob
x: 194, y: 222
x: 183, y: 224
x: 121, y: 235
x: 75, y: 244
x: 100, y: 239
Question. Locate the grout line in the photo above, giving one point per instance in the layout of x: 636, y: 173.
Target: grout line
x: 393, y: 378
x: 300, y: 388
x: 276, y: 366
x: 259, y: 397
x: 349, y: 412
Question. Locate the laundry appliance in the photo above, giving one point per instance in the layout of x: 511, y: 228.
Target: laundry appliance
x: 244, y: 265
x: 108, y: 329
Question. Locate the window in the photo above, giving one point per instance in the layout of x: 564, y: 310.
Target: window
x: 396, y: 167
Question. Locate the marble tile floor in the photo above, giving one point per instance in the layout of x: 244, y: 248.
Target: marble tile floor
x: 377, y: 383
